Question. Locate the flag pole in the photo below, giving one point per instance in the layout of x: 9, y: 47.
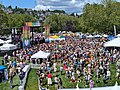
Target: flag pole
x: 115, y: 30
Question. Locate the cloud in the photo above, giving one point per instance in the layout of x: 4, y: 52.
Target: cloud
x: 69, y: 6
x: 42, y: 7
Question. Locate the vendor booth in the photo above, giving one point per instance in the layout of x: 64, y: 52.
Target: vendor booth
x: 113, y: 43
x: 8, y: 47
x: 39, y: 57
x: 40, y: 54
x: 3, y: 73
x: 2, y: 41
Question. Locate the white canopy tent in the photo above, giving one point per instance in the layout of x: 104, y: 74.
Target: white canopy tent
x: 8, y: 47
x: 105, y: 35
x: 8, y: 41
x: 40, y: 54
x: 90, y: 36
x: 2, y: 41
x: 97, y: 36
x: 118, y: 35
x: 113, y: 43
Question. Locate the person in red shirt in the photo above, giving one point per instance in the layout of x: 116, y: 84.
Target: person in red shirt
x: 49, y: 75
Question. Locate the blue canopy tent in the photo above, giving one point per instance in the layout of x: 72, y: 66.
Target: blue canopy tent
x: 2, y: 68
x: 110, y: 37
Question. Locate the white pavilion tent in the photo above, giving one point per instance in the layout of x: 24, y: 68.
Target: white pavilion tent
x: 8, y: 41
x: 113, y: 43
x: 118, y: 35
x: 40, y: 54
x: 2, y: 41
x: 90, y: 36
x: 8, y: 47
x: 105, y: 35
x: 97, y: 36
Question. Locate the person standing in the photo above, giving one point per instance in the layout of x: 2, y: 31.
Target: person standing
x: 60, y: 83
x: 11, y: 81
x: 21, y: 76
x: 91, y: 83
x: 49, y: 78
x: 56, y: 82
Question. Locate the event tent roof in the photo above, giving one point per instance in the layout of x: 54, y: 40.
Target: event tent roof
x: 55, y: 36
x: 118, y: 35
x: 8, y: 47
x: 105, y: 35
x: 61, y: 36
x: 2, y: 41
x: 8, y: 41
x: 98, y: 36
x: 113, y: 43
x: 2, y: 68
x: 40, y: 54
x: 90, y: 36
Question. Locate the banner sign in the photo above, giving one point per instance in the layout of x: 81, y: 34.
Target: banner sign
x: 33, y: 24
x: 26, y: 37
x: 47, y: 30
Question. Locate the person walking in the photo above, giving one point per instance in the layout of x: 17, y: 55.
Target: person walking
x: 91, y: 83
x: 11, y: 81
x: 21, y: 76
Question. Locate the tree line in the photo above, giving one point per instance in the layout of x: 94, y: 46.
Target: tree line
x: 8, y: 21
x: 98, y: 18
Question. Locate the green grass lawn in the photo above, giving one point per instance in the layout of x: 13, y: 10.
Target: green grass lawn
x: 6, y: 85
x: 68, y: 84
x: 1, y: 58
x: 32, y: 81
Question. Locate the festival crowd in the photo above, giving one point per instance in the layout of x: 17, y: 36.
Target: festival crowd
x: 78, y: 59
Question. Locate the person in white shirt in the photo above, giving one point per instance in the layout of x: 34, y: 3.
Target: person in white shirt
x: 108, y: 74
x: 56, y: 82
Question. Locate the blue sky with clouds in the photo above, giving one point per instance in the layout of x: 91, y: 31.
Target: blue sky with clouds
x: 67, y: 5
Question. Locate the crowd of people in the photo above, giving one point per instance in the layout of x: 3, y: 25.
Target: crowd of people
x: 86, y: 58
x: 79, y: 59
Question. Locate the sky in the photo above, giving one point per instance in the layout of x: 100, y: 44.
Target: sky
x: 69, y: 6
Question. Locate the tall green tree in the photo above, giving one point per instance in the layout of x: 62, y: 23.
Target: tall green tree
x: 3, y: 20
x: 18, y: 20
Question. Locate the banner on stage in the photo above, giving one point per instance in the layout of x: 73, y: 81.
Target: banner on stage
x: 26, y: 37
x: 33, y: 24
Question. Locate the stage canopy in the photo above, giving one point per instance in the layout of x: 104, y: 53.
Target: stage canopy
x: 8, y: 47
x: 113, y: 43
x: 40, y: 54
